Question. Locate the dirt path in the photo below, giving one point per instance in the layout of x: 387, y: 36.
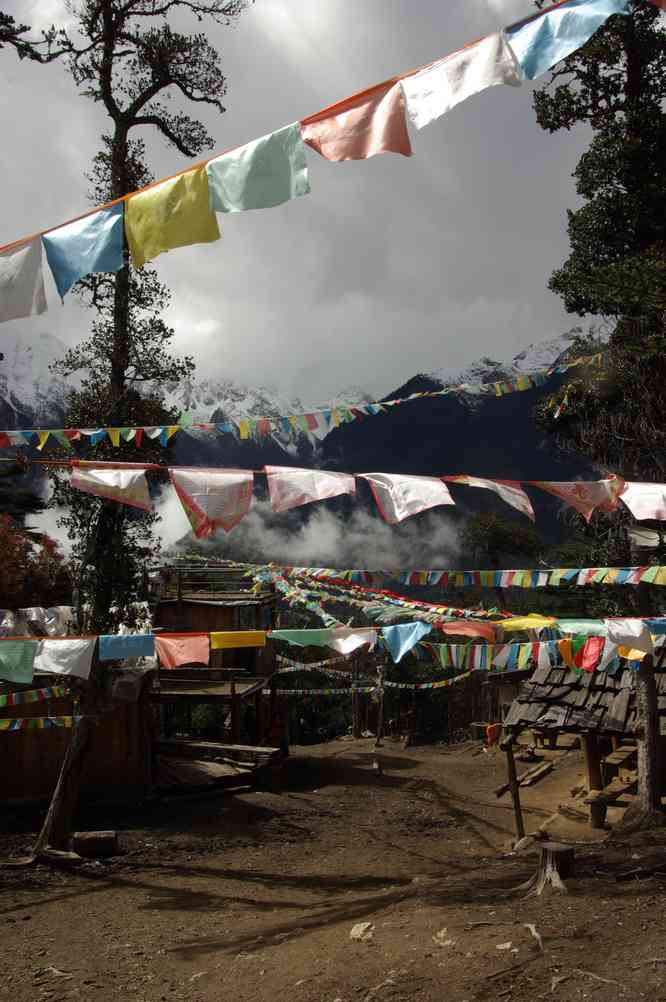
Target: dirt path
x: 253, y: 897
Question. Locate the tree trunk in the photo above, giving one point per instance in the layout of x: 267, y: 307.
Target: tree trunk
x: 58, y: 823
x: 648, y: 807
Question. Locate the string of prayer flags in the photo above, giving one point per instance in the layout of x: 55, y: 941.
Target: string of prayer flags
x: 361, y: 126
x: 68, y: 656
x: 173, y: 213
x: 509, y: 491
x: 213, y: 499
x: 37, y: 723
x: 289, y: 487
x: 261, y: 174
x: 400, y: 640
x: 237, y: 638
x: 125, y: 485
x: 313, y: 423
x: 17, y: 658
x: 399, y: 496
x: 177, y: 649
x: 43, y: 695
x: 343, y: 639
x: 89, y: 245
x: 551, y: 36
x: 122, y: 646
x: 21, y: 281
x: 439, y: 87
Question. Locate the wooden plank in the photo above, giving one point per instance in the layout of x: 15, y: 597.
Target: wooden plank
x: 535, y: 775
x: 193, y: 749
x: 616, y: 717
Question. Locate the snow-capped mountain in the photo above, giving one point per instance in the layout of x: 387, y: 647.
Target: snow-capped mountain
x: 32, y: 395
x: 533, y: 358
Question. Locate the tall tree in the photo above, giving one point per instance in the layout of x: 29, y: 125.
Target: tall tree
x: 129, y: 58
x: 616, y: 85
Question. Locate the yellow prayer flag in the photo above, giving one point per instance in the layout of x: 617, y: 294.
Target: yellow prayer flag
x: 531, y: 622
x: 237, y: 638
x: 630, y: 653
x: 172, y: 214
x: 114, y: 435
x: 660, y: 576
x: 43, y: 437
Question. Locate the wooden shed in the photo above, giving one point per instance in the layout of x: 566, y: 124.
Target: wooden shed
x: 601, y: 708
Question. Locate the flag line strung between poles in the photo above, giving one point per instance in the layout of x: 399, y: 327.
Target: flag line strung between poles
x: 307, y: 422
x: 219, y: 498
x: 371, y: 121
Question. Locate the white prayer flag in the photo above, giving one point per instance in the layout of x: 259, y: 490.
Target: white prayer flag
x: 21, y: 281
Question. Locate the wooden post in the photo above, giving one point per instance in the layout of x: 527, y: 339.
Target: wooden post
x: 257, y: 718
x: 235, y: 716
x: 356, y: 706
x: 507, y: 746
x: 592, y: 761
x: 649, y: 779
x: 380, y: 708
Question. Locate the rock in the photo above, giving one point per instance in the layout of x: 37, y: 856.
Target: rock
x: 503, y: 946
x: 362, y: 931
x: 94, y: 844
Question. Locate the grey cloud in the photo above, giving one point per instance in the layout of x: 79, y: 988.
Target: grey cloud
x: 391, y: 265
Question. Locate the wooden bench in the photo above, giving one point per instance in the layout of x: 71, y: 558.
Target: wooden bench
x: 600, y: 800
x: 622, y: 758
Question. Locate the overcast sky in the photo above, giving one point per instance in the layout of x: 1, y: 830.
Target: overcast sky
x: 391, y: 266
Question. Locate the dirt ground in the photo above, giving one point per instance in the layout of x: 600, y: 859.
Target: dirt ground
x: 252, y: 897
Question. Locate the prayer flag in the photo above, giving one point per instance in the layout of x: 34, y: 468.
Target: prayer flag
x: 343, y: 639
x: 401, y: 639
x: 72, y: 656
x: 121, y: 646
x: 261, y: 174
x: 634, y: 633
x: 399, y: 496
x: 549, y: 37
x: 173, y: 213
x: 291, y: 487
x: 531, y: 622
x: 21, y: 281
x: 177, y: 649
x: 581, y: 652
x: 17, y: 659
x: 361, y: 126
x: 585, y: 496
x: 213, y: 499
x: 468, y: 628
x: 444, y: 84
x: 645, y: 500
x: 126, y: 486
x: 509, y: 491
x: 231, y: 639
x: 91, y: 244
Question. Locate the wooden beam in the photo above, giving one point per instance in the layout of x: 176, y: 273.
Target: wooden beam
x: 592, y: 761
x: 507, y: 745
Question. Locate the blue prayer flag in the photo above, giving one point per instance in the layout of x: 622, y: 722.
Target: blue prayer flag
x: 91, y: 244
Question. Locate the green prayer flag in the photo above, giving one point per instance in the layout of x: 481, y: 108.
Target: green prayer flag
x: 583, y: 627
x: 16, y: 660
x: 303, y: 638
x: 261, y: 174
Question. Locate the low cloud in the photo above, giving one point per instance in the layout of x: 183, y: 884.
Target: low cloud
x: 325, y: 538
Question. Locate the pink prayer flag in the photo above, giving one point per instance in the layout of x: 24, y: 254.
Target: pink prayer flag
x: 509, y: 491
x: 290, y: 487
x: 467, y: 628
x: 585, y: 496
x: 176, y: 649
x: 361, y: 126
x: 645, y: 500
x: 398, y: 496
x: 213, y: 499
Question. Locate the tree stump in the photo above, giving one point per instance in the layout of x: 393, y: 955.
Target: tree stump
x: 556, y: 862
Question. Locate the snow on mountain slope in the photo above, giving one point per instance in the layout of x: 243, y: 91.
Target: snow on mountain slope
x: 30, y: 392
x: 537, y: 356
